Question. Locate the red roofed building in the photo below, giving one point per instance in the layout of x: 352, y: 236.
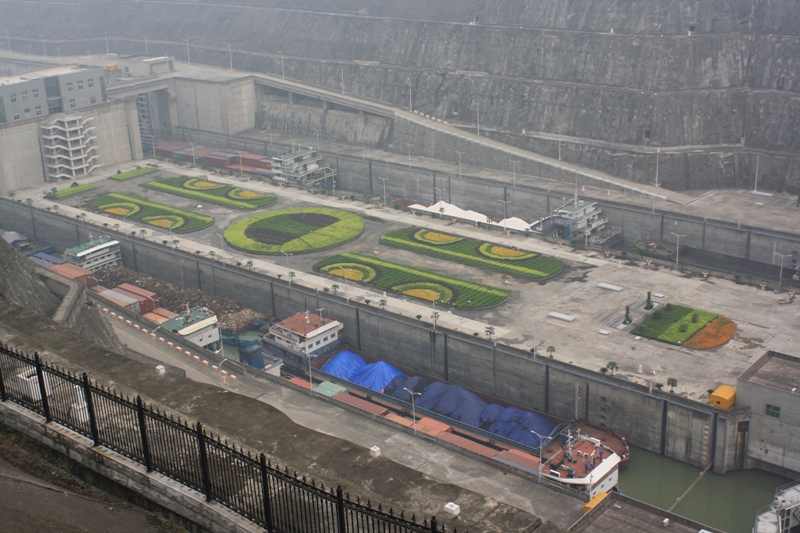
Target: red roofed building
x: 301, y: 335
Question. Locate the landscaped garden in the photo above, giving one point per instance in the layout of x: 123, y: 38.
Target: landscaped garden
x: 294, y: 230
x: 69, y: 191
x: 216, y: 193
x: 676, y: 324
x: 473, y: 252
x: 122, y: 176
x: 162, y: 216
x: 412, y: 282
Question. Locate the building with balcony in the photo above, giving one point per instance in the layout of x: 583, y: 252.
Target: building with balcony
x: 582, y: 221
x: 305, y: 166
x: 95, y: 254
x: 69, y: 146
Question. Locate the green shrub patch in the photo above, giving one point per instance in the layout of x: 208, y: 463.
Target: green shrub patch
x: 162, y: 216
x: 215, y: 193
x: 294, y: 230
x: 122, y: 176
x: 70, y: 191
x: 473, y: 252
x: 674, y: 324
x: 413, y: 281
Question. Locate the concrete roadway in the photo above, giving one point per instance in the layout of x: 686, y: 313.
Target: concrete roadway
x: 419, y: 453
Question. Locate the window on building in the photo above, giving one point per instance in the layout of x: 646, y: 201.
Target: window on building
x: 72, y: 103
x: 38, y: 110
x: 90, y: 82
x: 318, y: 343
x: 773, y: 411
x: 27, y: 110
x: 13, y: 97
x: 69, y: 86
x: 16, y: 116
x: 24, y: 95
x: 92, y: 100
x: 35, y: 93
x: 80, y: 84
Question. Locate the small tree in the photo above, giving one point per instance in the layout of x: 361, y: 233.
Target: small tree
x: 672, y: 382
x: 29, y: 201
x: 105, y: 224
x: 164, y: 242
x: 551, y: 350
x: 659, y: 386
x: 238, y: 263
x: 489, y: 331
x: 116, y: 227
x: 249, y: 264
x: 212, y: 253
x: 604, y: 370
x: 612, y: 365
x: 335, y: 288
x: 291, y: 277
x: 367, y: 301
x: 382, y: 303
x: 55, y: 208
x: 143, y: 233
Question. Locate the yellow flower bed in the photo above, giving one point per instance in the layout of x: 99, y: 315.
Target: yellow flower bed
x: 161, y: 223
x: 206, y: 184
x: 423, y: 294
x: 117, y: 211
x: 249, y: 194
x: 505, y: 252
x: 349, y: 273
x: 439, y: 237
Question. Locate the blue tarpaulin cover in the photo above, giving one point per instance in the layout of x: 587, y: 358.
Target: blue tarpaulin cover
x: 516, y: 424
x: 344, y: 364
x: 375, y: 376
x: 396, y: 388
x: 454, y: 401
x: 490, y: 414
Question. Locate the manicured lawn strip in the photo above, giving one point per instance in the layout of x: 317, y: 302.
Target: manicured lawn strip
x: 674, y: 335
x: 70, y: 191
x: 348, y: 227
x: 194, y: 221
x: 216, y: 196
x: 653, y: 327
x: 467, y: 294
x: 132, y: 174
x: 465, y: 251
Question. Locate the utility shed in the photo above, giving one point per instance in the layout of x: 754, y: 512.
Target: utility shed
x: 724, y: 397
x: 621, y: 514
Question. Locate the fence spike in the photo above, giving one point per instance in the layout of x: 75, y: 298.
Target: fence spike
x: 347, y: 496
x: 358, y: 500
x: 380, y: 507
x: 402, y: 515
x: 425, y: 522
x: 413, y: 519
x: 391, y: 511
x: 369, y: 504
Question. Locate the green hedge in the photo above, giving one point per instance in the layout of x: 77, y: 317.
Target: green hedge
x: 475, y: 253
x: 70, y: 191
x: 396, y: 278
x: 132, y: 174
x: 152, y: 212
x: 664, y: 324
x: 301, y: 237
x: 221, y: 194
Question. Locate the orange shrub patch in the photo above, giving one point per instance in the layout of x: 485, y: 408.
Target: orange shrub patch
x: 714, y: 334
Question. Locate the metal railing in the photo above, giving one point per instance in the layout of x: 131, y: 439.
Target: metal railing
x: 246, y: 482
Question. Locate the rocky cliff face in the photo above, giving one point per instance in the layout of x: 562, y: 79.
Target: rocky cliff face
x: 711, y: 83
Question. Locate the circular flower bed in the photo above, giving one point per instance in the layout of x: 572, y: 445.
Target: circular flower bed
x: 432, y: 292
x: 241, y: 194
x: 201, y: 185
x: 432, y: 237
x: 294, y: 230
x: 120, y: 208
x: 504, y: 254
x: 165, y: 221
x: 351, y: 271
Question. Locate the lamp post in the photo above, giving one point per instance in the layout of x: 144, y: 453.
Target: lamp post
x: 230, y: 54
x: 269, y: 125
x: 459, y: 162
x: 439, y: 190
x: 188, y: 57
x: 221, y: 241
x: 677, y: 248
x: 780, y: 276
x: 146, y: 47
x: 505, y: 212
x: 283, y: 72
x: 193, y: 145
x: 384, y: 188
x: 287, y: 254
x: 317, y: 131
x: 219, y: 368
x: 58, y: 51
x: 542, y: 444
x: 515, y: 171
x: 409, y: 155
x: 153, y: 336
x: 413, y: 407
x: 44, y: 49
x: 105, y: 35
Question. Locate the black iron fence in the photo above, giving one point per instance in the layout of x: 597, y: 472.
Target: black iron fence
x: 243, y: 481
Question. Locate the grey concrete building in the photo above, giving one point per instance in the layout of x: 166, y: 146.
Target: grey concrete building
x: 52, y: 90
x: 770, y: 388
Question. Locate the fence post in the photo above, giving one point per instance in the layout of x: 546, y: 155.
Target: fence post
x: 267, y: 495
x: 340, y: 510
x: 201, y: 446
x: 434, y: 525
x: 87, y: 394
x: 2, y: 385
x: 148, y: 461
x: 42, y: 388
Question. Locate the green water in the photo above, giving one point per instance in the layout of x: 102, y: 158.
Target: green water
x: 728, y: 502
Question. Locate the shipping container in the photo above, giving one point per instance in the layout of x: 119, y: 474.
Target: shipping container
x: 151, y: 297
x: 75, y: 273
x: 121, y: 299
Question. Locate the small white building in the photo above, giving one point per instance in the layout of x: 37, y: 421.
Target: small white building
x: 198, y: 326
x: 95, y: 254
x: 302, y: 337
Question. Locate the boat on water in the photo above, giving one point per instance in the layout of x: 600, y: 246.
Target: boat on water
x: 573, y: 455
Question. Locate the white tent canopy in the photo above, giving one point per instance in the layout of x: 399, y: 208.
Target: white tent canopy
x: 453, y: 211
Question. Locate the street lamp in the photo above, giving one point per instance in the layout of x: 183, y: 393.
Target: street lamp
x: 58, y: 51
x: 439, y: 190
x: 44, y: 49
x: 188, y: 57
x: 283, y: 72
x: 515, y: 171
x: 146, y: 47
x: 230, y: 54
x: 153, y: 336
x: 780, y: 276
x: 409, y: 156
x: 317, y: 131
x: 106, y: 37
x: 459, y: 162
x: 542, y: 443
x: 219, y: 368
x: 269, y: 125
x: 384, y: 188
x: 193, y: 145
x: 287, y: 254
x: 677, y: 248
x: 505, y: 212
x: 221, y: 241
x: 413, y: 407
